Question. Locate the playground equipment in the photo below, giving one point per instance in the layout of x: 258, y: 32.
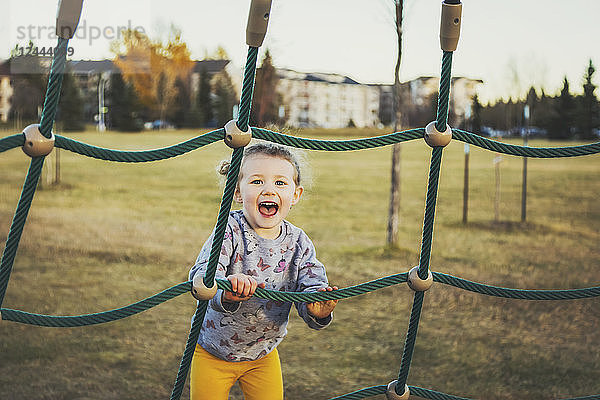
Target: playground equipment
x: 38, y: 141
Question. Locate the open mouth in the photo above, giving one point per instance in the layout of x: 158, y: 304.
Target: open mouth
x: 268, y: 208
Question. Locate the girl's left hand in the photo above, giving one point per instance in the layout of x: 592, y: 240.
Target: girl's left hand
x: 322, y: 309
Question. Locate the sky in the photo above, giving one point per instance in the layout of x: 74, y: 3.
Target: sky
x: 509, y: 44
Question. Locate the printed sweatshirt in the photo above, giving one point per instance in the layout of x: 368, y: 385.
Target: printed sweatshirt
x: 250, y: 329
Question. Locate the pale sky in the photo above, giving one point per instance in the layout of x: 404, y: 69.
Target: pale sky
x: 538, y: 42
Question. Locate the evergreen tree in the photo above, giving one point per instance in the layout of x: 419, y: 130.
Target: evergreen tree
x: 204, y: 104
x: 70, y: 106
x: 476, y: 109
x: 123, y: 105
x: 532, y: 102
x: 224, y: 98
x: 182, y: 112
x: 588, y: 118
x: 564, y: 107
x: 266, y: 100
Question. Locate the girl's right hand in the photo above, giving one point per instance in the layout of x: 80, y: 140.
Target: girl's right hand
x: 242, y: 286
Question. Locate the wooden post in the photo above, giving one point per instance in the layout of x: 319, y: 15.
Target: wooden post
x: 56, y: 166
x: 497, y: 160
x: 524, y: 187
x: 466, y: 185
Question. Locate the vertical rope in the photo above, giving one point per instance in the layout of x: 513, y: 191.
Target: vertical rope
x: 247, y: 88
x: 432, y: 188
x: 215, y: 250
x: 190, y: 346
x: 18, y: 222
x: 53, y: 91
x: 444, y: 93
x: 409, y: 344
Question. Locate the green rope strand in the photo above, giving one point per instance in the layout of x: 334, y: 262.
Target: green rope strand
x: 525, y: 151
x: 10, y: 142
x: 247, y: 89
x: 138, y: 156
x: 230, y: 185
x: 18, y: 222
x: 53, y: 91
x: 432, y: 188
x: 362, y: 393
x: 338, y: 145
x: 444, y: 92
x: 344, y: 293
x: 409, y: 343
x: 188, y: 353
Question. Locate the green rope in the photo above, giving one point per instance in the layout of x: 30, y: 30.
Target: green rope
x: 409, y: 343
x: 444, y: 92
x: 432, y: 189
x: 10, y: 142
x: 247, y: 89
x: 139, y: 156
x: 18, y: 222
x: 230, y: 185
x: 362, y: 393
x: 338, y: 145
x: 525, y: 151
x: 95, y: 318
x: 17, y: 140
x: 53, y: 91
x: 188, y: 353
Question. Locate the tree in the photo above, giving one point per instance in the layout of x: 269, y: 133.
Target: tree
x: 123, y: 105
x: 564, y: 107
x: 394, y: 207
x: 266, y: 100
x: 29, y: 81
x: 476, y: 115
x: 70, y: 106
x: 153, y: 67
x: 588, y: 118
x: 224, y: 98
x: 204, y: 104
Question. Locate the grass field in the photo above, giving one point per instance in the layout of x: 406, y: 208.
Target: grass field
x: 111, y: 234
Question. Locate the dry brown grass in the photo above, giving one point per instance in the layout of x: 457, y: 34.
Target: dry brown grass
x: 113, y: 233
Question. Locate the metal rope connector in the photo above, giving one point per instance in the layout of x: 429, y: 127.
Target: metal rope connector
x: 36, y: 144
x: 67, y: 18
x: 391, y: 394
x: 416, y: 283
x: 258, y: 20
x: 435, y: 138
x: 235, y: 137
x: 450, y: 25
x: 200, y: 291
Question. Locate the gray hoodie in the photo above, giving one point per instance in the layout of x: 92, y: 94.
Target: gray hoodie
x: 251, y: 329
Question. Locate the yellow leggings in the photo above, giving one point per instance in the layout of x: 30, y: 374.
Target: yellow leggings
x: 211, y: 378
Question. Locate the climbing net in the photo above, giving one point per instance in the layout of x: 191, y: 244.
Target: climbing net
x: 38, y: 141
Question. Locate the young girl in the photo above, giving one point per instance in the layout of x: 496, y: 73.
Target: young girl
x: 239, y: 337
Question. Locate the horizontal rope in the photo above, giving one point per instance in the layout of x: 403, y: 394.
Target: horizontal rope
x: 96, y: 318
x: 10, y: 142
x: 362, y: 393
x: 338, y: 145
x: 139, y: 156
x: 344, y: 293
x: 523, y: 294
x: 423, y: 393
x: 525, y: 151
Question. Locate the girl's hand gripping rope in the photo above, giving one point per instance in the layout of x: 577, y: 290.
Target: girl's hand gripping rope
x: 242, y: 288
x: 322, y: 309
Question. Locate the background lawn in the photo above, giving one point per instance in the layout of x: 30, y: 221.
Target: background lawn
x: 111, y: 234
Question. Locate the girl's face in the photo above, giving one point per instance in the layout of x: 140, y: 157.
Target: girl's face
x: 267, y: 191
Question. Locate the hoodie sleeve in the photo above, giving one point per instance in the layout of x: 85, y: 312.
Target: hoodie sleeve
x: 311, y: 276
